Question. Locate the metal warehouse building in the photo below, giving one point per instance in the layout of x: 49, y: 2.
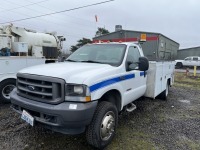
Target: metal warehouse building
x: 183, y: 53
x: 157, y: 46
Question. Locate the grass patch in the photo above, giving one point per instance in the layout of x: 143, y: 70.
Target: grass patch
x: 187, y: 143
x: 181, y: 80
x: 138, y: 141
x: 131, y: 139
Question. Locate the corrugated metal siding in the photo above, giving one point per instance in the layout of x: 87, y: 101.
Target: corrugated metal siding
x: 152, y: 48
x: 182, y: 54
x: 149, y: 47
x: 167, y: 49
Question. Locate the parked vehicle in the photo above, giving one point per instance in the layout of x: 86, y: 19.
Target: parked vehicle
x: 9, y: 68
x: 21, y: 48
x: 87, y: 92
x: 188, y: 61
x: 16, y: 39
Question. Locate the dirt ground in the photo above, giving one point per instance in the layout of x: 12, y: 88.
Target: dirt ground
x: 155, y: 125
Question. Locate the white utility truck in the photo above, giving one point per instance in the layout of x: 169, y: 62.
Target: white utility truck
x: 9, y: 66
x: 21, y: 48
x: 188, y: 61
x: 87, y: 92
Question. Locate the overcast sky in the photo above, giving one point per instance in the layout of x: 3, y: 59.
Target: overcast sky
x: 176, y: 19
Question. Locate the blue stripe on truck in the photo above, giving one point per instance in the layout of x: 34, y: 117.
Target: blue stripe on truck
x: 110, y: 81
x: 142, y: 73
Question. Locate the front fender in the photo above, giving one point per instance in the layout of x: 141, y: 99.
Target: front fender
x: 97, y: 94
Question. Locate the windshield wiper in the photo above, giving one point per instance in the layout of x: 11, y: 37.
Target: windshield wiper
x: 71, y: 60
x: 91, y: 61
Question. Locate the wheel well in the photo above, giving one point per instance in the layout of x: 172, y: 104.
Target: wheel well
x: 7, y: 79
x: 179, y: 63
x: 169, y: 81
x: 113, y: 97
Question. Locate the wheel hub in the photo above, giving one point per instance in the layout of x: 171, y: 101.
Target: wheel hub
x: 7, y: 90
x: 107, y: 126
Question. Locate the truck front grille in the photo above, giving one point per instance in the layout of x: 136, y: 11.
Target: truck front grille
x: 40, y: 88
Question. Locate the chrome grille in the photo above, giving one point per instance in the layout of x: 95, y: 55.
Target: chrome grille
x: 40, y: 88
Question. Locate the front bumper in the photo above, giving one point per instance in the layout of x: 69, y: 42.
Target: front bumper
x: 61, y: 117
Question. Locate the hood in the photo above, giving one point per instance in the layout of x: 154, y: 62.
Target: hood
x: 178, y: 60
x: 71, y: 72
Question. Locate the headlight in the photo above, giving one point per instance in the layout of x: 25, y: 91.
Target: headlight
x: 76, y: 92
x: 78, y: 89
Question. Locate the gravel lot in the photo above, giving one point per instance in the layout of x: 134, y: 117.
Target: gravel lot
x: 155, y: 124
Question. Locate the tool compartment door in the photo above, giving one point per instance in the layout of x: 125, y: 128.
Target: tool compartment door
x: 157, y: 76
x: 154, y: 79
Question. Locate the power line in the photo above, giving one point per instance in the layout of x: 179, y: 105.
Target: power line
x: 51, y: 10
x: 72, y: 35
x: 23, y: 6
x: 41, y: 19
x: 45, y: 19
x: 66, y: 15
x: 61, y: 29
x: 58, y: 12
x: 35, y: 11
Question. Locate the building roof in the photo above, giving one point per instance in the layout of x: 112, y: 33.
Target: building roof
x: 136, y: 32
x: 189, y: 48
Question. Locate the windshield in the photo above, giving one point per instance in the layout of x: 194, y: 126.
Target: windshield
x: 111, y: 54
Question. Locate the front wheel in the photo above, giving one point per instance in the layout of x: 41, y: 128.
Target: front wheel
x: 6, y: 88
x: 103, y: 126
x: 179, y: 65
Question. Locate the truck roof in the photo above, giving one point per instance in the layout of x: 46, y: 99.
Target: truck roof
x: 125, y: 43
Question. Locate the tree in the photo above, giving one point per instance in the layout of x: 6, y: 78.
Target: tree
x: 101, y: 31
x: 73, y: 48
x: 80, y: 43
x: 84, y: 41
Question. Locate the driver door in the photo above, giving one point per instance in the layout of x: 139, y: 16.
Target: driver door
x: 136, y: 86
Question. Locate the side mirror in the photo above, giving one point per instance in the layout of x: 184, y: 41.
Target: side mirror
x: 143, y: 64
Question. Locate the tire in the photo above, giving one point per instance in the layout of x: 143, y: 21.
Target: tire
x: 165, y: 93
x: 179, y: 65
x: 106, y: 115
x: 6, y: 88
